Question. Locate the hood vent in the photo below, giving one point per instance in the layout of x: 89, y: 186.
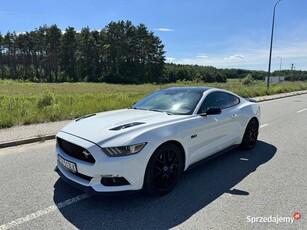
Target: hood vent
x: 127, y: 126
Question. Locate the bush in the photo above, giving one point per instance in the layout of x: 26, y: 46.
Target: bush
x: 47, y: 99
x: 247, y: 80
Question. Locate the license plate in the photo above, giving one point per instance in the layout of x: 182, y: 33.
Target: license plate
x: 67, y: 164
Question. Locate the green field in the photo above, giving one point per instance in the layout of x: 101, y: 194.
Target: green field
x: 26, y: 103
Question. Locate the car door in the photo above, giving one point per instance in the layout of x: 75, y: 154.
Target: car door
x: 215, y: 132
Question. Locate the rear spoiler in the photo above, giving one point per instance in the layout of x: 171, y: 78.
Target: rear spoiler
x: 251, y: 100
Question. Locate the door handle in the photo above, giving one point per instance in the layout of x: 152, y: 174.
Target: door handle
x: 234, y: 115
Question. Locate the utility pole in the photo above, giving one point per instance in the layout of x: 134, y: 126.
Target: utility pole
x: 292, y: 68
x: 279, y: 69
x: 272, y: 35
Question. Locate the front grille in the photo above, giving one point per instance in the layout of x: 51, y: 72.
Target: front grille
x: 75, y: 151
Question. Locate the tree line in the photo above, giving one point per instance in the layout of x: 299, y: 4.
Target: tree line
x: 118, y: 53
x: 176, y: 72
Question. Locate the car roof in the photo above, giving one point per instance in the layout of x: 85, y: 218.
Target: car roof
x: 191, y: 89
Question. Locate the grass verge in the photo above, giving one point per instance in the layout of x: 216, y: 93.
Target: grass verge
x: 28, y: 103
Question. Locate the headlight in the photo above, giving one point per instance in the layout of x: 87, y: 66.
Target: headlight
x: 124, y: 150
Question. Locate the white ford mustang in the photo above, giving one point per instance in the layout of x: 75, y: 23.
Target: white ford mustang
x: 150, y: 144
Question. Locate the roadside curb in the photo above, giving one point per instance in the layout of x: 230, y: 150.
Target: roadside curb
x: 42, y: 138
x: 262, y: 99
x: 27, y: 141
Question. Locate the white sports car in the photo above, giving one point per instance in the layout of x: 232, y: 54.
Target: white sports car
x: 152, y: 143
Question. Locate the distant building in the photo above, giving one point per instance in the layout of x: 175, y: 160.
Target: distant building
x: 275, y: 80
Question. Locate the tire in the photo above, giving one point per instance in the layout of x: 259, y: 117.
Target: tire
x: 163, y: 170
x: 250, y: 135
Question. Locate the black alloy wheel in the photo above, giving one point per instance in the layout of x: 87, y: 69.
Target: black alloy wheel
x: 250, y: 135
x: 163, y: 170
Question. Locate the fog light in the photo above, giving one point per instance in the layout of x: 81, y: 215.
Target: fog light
x: 114, y: 181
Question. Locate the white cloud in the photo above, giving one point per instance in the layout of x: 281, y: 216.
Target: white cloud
x: 246, y: 52
x: 253, y: 58
x: 236, y: 57
x: 20, y: 33
x: 202, y: 56
x: 164, y: 29
x: 170, y: 59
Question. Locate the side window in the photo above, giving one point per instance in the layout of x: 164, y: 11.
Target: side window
x: 218, y: 100
x: 233, y: 100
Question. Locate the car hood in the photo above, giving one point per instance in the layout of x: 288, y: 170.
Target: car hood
x: 123, y: 125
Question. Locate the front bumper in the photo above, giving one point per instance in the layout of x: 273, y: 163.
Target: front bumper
x: 90, y: 190
x: 89, y: 175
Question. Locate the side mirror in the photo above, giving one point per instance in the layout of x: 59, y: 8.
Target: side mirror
x: 212, y: 111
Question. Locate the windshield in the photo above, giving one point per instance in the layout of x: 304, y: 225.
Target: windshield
x: 170, y: 101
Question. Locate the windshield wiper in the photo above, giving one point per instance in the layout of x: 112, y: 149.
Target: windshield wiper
x: 154, y: 110
x: 157, y: 110
x: 136, y: 108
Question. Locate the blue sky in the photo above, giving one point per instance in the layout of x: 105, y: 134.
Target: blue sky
x: 221, y: 33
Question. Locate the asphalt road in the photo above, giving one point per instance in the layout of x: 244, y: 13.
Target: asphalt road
x: 225, y: 193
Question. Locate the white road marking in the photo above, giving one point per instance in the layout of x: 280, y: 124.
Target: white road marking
x: 261, y: 126
x: 302, y: 110
x: 243, y: 159
x: 43, y: 212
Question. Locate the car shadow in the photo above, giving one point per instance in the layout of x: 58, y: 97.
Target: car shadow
x: 196, y: 189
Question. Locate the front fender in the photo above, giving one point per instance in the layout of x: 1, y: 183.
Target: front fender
x: 181, y: 132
